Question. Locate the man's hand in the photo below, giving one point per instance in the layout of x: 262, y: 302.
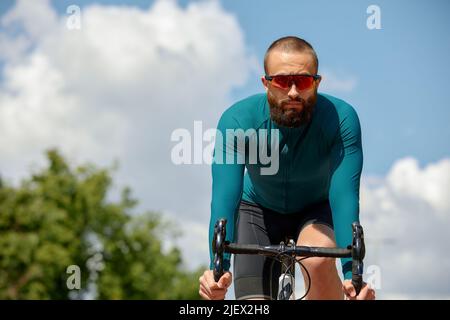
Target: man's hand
x: 366, y: 293
x: 211, y: 290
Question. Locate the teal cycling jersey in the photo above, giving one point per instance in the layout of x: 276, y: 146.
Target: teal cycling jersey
x: 318, y: 161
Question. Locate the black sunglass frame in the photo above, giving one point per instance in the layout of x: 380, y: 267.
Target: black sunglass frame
x: 315, y: 76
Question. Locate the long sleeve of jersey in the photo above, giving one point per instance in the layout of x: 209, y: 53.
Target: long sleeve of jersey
x: 346, y: 165
x: 227, y: 181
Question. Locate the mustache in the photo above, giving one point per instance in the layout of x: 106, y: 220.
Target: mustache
x: 289, y: 100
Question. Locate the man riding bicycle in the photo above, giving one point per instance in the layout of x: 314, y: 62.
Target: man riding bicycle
x: 313, y: 193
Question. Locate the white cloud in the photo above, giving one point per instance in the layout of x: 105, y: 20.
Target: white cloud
x: 431, y: 184
x: 11, y: 48
x: 36, y: 18
x: 192, y: 240
x: 406, y: 216
x: 25, y: 24
x: 335, y: 82
x: 117, y: 88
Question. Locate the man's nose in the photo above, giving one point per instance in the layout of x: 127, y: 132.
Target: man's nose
x: 293, y: 92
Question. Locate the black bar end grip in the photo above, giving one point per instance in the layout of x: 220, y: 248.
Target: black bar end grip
x: 218, y: 243
x: 358, y: 253
x: 357, y: 283
x: 218, y: 269
x: 357, y: 275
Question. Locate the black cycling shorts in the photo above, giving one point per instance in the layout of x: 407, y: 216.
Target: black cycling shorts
x: 256, y: 276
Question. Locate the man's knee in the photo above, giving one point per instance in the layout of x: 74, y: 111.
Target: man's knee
x: 318, y: 235
x: 320, y: 266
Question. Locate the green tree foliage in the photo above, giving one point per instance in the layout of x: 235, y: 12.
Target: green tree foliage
x: 61, y: 216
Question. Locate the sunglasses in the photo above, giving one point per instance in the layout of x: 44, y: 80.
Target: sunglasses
x: 301, y: 81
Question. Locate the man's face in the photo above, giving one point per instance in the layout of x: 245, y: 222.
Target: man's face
x: 290, y: 107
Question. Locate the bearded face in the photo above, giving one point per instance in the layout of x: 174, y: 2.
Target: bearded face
x: 291, y: 113
x: 291, y: 106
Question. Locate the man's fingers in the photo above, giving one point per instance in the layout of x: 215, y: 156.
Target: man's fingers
x: 215, y: 294
x: 225, y: 280
x: 349, y: 290
x: 203, y: 295
x: 204, y: 292
x: 369, y: 294
x: 204, y: 283
x: 211, y: 294
x: 218, y: 294
x: 212, y: 290
x: 366, y: 293
x: 349, y: 297
x: 205, y: 289
x: 211, y: 283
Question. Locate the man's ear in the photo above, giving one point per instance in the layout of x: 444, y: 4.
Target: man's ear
x: 318, y: 81
x: 265, y: 83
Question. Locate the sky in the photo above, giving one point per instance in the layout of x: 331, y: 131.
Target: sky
x: 136, y: 71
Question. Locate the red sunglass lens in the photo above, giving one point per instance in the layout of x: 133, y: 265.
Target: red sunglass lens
x: 303, y: 83
x: 285, y: 81
x: 282, y: 82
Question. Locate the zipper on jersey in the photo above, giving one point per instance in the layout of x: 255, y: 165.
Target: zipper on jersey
x: 286, y: 172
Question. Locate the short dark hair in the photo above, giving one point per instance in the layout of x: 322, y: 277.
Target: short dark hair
x: 289, y: 44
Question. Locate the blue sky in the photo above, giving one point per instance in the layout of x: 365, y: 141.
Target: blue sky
x: 402, y: 70
x: 402, y: 87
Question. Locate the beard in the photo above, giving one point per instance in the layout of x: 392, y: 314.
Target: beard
x: 290, y: 117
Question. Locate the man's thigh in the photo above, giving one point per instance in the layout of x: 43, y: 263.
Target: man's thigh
x: 317, y: 231
x: 317, y: 228
x: 317, y: 235
x: 321, y: 277
x: 255, y: 276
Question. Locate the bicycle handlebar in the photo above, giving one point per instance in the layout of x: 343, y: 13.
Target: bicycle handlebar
x: 274, y: 250
x: 356, y: 251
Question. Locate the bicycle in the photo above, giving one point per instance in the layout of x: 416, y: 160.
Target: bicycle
x: 287, y: 255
